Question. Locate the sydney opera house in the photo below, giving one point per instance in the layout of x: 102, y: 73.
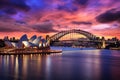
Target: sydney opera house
x: 24, y: 42
x: 24, y: 45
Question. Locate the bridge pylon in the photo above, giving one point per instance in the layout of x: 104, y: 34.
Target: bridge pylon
x: 103, y: 44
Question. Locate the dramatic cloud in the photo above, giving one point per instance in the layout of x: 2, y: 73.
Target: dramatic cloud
x: 79, y: 23
x: 51, y: 16
x: 21, y: 22
x: 101, y: 27
x: 12, y: 28
x: 81, y: 2
x: 109, y: 16
x: 11, y: 6
x: 10, y: 11
x: 67, y: 8
x: 45, y: 27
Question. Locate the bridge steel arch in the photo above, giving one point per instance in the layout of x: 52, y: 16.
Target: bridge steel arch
x: 57, y: 36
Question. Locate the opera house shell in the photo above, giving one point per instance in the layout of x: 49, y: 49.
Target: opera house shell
x: 24, y: 42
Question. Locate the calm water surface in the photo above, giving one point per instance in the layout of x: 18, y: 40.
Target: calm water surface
x: 68, y: 65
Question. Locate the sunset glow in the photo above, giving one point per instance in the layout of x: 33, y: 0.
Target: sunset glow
x: 47, y: 17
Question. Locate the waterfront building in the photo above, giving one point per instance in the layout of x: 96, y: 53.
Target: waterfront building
x: 24, y: 42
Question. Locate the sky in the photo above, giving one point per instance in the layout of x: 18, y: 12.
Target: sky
x: 42, y: 17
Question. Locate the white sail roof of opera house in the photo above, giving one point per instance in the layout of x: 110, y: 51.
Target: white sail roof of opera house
x: 23, y: 38
x: 37, y: 41
x: 19, y: 44
x: 28, y: 44
x: 32, y: 38
x: 15, y: 44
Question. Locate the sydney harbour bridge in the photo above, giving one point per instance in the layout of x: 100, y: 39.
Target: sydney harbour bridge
x: 91, y: 41
x: 63, y: 33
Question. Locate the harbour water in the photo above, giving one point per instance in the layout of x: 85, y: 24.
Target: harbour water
x: 71, y: 64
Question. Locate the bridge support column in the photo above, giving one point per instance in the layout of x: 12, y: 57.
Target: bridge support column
x: 103, y: 44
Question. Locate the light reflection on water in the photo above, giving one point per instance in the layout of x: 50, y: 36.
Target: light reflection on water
x: 70, y: 65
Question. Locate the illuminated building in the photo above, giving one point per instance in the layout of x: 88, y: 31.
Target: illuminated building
x: 24, y: 42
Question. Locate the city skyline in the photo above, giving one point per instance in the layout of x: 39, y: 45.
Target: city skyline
x: 74, y: 34
x: 42, y: 17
